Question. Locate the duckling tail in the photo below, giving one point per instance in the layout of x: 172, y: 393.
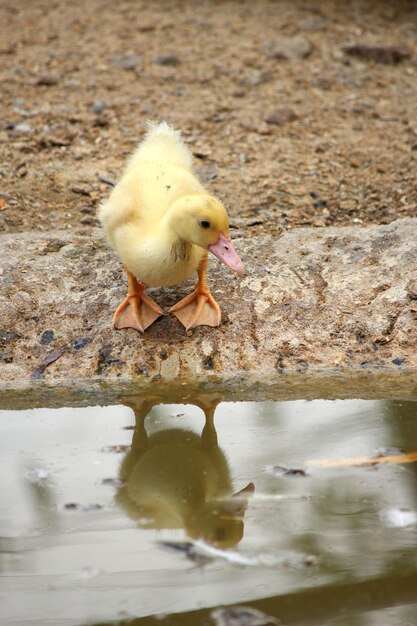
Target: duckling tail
x: 161, y: 143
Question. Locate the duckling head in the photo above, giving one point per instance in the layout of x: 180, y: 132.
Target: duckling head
x: 216, y: 524
x: 220, y: 522
x: 202, y: 220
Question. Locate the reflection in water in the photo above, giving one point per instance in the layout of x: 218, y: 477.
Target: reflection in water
x: 178, y: 479
x: 68, y: 555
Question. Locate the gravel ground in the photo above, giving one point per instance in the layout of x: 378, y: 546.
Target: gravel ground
x: 298, y: 113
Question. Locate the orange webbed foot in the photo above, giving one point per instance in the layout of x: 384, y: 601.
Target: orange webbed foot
x: 197, y: 309
x: 137, y: 310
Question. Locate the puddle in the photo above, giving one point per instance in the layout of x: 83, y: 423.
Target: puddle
x: 159, y: 513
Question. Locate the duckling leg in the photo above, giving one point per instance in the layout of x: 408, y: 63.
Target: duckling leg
x: 137, y: 310
x: 199, y: 307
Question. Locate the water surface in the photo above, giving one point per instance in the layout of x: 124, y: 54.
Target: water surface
x: 98, y: 502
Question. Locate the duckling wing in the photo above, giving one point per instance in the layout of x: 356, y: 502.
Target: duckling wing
x: 121, y: 208
x: 145, y: 194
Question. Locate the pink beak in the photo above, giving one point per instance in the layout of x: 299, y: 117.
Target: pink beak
x: 223, y: 249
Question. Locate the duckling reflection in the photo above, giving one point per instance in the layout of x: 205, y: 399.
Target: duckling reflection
x: 178, y: 479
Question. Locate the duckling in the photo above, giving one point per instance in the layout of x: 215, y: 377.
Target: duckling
x: 178, y: 479
x: 162, y: 223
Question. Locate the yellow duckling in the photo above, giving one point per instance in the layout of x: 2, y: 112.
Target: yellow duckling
x: 161, y: 222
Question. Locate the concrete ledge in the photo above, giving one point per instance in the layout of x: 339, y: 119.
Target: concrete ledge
x: 327, y: 298
x: 365, y: 383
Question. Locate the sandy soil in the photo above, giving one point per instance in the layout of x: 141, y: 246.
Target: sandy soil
x: 287, y: 127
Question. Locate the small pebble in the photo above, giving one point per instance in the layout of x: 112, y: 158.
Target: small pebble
x: 297, y: 47
x: 107, y: 180
x: 81, y: 342
x: 47, y: 337
x: 167, y: 59
x: 312, y: 24
x: 48, y: 80
x: 89, y: 221
x: 412, y: 288
x: 54, y: 245
x: 80, y: 189
x: 259, y: 78
x: 208, y: 363
x: 102, y: 121
x: 385, y: 54
x: 99, y: 106
x: 127, y: 61
x: 23, y: 128
x: 207, y: 172
x: 281, y: 116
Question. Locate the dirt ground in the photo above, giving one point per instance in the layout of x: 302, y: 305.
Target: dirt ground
x: 288, y: 126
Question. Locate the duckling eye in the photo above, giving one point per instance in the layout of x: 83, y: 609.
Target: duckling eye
x: 205, y: 224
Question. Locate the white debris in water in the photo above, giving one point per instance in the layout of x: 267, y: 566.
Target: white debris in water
x: 399, y: 518
x: 234, y: 557
x: 271, y: 497
x: 86, y: 573
x: 145, y: 521
x: 37, y: 475
x: 268, y: 560
x: 201, y: 551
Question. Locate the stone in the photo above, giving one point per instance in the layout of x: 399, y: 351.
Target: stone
x: 386, y: 54
x: 81, y: 342
x: 167, y: 59
x: 313, y: 24
x: 47, y: 337
x: 101, y: 120
x: 81, y: 190
x: 207, y: 172
x: 286, y: 48
x: 99, y: 106
x: 48, y: 80
x: 281, y: 116
x: 258, y: 78
x: 412, y: 288
x: 127, y: 61
x: 23, y: 128
x: 53, y: 246
x: 326, y: 297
